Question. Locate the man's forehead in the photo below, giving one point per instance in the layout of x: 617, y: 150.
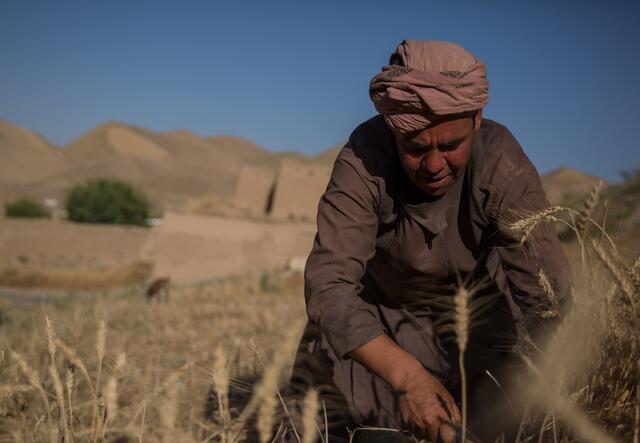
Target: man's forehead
x: 444, y: 130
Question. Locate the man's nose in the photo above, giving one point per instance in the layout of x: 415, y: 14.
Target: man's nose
x: 433, y: 162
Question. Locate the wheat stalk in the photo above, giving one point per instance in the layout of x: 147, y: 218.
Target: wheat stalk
x: 266, y: 414
x: 77, y: 362
x: 164, y: 387
x: 220, y: 376
x: 144, y: 415
x: 34, y: 380
x: 111, y: 393
x: 615, y: 270
x: 587, y: 208
x: 268, y: 384
x: 309, y: 416
x: 51, y: 338
x: 545, y: 284
x: 576, y: 419
x: 463, y: 310
x: 525, y: 226
x: 57, y: 386
x: 57, y: 383
x: 169, y: 409
x: 461, y: 327
x: 69, y: 385
x: 101, y: 346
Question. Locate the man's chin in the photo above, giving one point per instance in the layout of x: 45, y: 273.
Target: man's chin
x: 438, y: 190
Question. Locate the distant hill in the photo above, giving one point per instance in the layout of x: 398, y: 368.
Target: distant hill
x: 328, y: 156
x: 172, y: 167
x: 566, y: 186
x: 26, y: 156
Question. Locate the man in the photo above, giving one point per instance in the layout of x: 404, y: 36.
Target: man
x: 419, y: 203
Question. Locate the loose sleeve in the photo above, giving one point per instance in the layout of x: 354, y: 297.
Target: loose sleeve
x: 537, y: 271
x: 345, y: 242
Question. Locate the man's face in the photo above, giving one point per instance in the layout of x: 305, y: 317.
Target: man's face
x: 435, y: 157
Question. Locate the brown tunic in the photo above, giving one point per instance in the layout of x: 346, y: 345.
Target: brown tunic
x: 385, y: 255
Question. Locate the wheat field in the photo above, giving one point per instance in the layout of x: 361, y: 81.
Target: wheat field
x: 208, y: 364
x: 130, y: 370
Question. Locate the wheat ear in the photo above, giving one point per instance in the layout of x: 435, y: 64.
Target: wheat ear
x: 34, y: 380
x: 220, y: 376
x: 587, y: 209
x: 543, y: 280
x: 57, y: 383
x: 51, y: 338
x: 616, y: 271
x: 111, y: 393
x: 77, y: 362
x: 461, y: 325
x: 525, y: 226
x: 309, y: 416
x: 266, y: 413
x: 101, y: 345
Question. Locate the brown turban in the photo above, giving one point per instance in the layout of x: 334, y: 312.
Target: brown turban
x: 425, y: 80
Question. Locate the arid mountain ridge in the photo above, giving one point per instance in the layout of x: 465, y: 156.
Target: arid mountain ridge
x: 172, y: 167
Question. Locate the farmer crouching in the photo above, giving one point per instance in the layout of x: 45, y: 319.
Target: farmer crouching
x: 420, y: 204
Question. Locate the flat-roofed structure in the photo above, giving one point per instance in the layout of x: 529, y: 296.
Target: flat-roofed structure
x: 254, y: 188
x: 298, y: 189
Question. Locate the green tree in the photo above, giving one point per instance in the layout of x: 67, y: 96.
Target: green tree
x: 107, y: 201
x: 26, y: 208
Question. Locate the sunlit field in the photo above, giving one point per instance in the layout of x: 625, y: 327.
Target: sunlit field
x: 209, y: 363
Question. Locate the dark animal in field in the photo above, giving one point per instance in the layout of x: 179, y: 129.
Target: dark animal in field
x: 158, y: 290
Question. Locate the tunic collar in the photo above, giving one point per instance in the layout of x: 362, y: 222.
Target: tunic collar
x: 429, y: 213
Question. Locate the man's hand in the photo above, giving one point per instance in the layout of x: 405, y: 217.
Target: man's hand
x: 425, y: 404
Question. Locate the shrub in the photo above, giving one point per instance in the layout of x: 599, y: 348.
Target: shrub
x: 26, y: 208
x: 107, y: 201
x: 631, y: 183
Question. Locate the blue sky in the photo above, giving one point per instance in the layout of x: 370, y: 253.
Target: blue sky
x: 294, y: 75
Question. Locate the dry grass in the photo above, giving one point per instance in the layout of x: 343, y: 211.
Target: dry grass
x: 88, y: 279
x: 208, y: 365
x: 179, y: 356
x: 584, y: 382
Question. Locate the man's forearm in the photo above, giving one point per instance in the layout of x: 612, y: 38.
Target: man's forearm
x: 388, y: 361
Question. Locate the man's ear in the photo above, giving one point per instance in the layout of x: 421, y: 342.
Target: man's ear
x: 477, y: 120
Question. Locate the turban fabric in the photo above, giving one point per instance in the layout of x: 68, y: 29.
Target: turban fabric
x: 426, y: 80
